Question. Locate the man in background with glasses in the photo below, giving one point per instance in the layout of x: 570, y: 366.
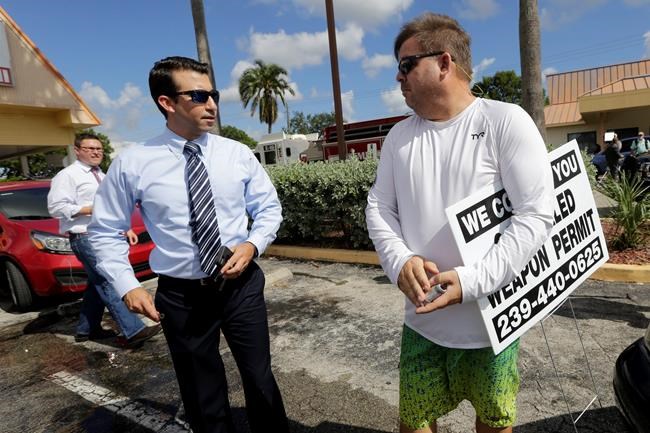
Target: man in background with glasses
x: 196, y: 192
x: 454, y: 145
x: 70, y: 200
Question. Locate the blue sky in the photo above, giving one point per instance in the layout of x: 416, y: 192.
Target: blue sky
x: 105, y: 48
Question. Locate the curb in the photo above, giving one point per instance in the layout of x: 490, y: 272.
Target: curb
x: 607, y: 272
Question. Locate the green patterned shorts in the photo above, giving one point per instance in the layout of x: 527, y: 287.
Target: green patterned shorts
x: 435, y: 379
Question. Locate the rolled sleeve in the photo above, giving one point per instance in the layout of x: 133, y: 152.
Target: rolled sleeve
x: 111, y: 219
x: 263, y: 205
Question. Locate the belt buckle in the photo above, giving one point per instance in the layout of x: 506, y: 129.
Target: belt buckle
x: 218, y: 282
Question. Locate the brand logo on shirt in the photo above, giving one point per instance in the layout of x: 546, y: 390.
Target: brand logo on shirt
x: 478, y: 135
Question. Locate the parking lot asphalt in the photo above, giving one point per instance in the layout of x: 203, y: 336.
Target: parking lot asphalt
x: 335, y: 336
x: 358, y: 342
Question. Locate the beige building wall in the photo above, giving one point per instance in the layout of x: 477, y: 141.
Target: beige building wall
x: 39, y: 110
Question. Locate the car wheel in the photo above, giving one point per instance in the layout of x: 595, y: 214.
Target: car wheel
x: 20, y: 292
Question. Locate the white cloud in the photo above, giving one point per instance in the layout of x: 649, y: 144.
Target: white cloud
x: 305, y: 49
x: 373, y: 65
x: 297, y: 95
x: 394, y: 101
x: 562, y: 12
x: 477, y: 9
x: 347, y: 101
x: 92, y: 93
x: 482, y: 66
x: 367, y: 14
x: 646, y: 43
x: 548, y: 71
x: 121, y: 115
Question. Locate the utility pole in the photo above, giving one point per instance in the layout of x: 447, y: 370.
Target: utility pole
x: 203, y: 48
x: 532, y: 95
x: 336, y: 85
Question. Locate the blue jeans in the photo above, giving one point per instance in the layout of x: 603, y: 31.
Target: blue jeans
x: 99, y: 293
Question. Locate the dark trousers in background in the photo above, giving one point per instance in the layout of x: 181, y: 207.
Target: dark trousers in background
x: 194, y: 315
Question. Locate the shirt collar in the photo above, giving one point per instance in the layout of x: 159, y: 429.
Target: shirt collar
x: 176, y: 143
x: 85, y: 167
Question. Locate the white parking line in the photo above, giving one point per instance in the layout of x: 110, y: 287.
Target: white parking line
x: 137, y: 412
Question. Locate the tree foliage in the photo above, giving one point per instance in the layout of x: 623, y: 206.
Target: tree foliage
x: 261, y: 86
x: 234, y: 133
x: 40, y: 165
x: 503, y: 86
x: 306, y: 124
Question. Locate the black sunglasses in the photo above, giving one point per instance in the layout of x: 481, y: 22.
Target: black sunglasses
x: 200, y: 96
x: 406, y: 64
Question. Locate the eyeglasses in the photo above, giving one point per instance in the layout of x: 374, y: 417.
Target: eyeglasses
x: 406, y: 64
x: 91, y: 149
x: 200, y: 96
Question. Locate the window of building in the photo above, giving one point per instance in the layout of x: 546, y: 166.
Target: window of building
x: 586, y: 141
x: 288, y: 152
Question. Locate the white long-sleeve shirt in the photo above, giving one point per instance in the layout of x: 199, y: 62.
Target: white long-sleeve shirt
x: 153, y: 175
x: 425, y: 167
x: 71, y: 189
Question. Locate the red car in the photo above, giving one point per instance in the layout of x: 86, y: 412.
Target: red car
x: 37, y: 259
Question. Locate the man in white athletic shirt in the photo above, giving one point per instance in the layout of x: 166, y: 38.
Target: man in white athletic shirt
x: 454, y: 145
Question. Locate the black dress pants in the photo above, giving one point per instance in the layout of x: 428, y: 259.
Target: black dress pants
x: 194, y: 315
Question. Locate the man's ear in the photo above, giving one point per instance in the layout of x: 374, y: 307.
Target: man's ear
x: 166, y: 102
x: 444, y: 63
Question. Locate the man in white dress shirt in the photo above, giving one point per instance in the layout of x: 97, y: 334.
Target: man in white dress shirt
x: 452, y: 146
x: 70, y: 200
x: 194, y: 303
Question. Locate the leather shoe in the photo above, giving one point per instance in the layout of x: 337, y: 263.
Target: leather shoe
x: 100, y: 334
x: 138, y: 339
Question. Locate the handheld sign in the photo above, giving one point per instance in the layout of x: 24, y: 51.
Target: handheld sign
x: 574, y: 250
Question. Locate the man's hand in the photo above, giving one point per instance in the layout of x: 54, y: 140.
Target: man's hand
x: 242, y: 255
x: 414, y: 277
x: 453, y: 295
x: 131, y: 237
x: 85, y: 210
x: 140, y: 301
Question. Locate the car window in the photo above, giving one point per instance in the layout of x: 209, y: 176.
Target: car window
x: 25, y: 204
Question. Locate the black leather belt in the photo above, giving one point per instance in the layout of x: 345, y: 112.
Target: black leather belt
x: 217, y: 283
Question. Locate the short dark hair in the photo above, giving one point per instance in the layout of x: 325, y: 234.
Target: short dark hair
x: 160, y: 76
x: 85, y: 136
x: 437, y: 32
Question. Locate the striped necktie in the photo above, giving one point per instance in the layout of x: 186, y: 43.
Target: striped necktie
x: 203, y: 217
x: 95, y: 171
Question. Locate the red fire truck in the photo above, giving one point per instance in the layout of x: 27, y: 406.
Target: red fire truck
x: 361, y: 138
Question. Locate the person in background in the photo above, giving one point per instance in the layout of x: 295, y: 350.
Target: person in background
x: 641, y: 145
x: 196, y: 191
x: 70, y: 200
x: 614, y: 157
x: 454, y: 145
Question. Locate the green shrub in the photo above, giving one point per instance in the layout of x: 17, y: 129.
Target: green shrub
x: 630, y: 212
x: 324, y: 203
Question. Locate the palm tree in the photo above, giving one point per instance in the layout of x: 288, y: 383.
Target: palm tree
x: 262, y: 85
x: 532, y: 97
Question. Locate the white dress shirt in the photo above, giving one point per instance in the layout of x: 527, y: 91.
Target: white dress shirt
x: 71, y: 189
x: 153, y: 175
x: 427, y: 166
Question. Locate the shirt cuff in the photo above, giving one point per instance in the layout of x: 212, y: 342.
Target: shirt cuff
x: 468, y: 284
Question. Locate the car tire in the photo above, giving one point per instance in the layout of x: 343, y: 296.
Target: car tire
x: 20, y: 292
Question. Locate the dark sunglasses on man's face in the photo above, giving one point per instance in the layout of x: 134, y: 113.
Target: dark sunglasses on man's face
x: 200, y: 96
x: 406, y: 64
